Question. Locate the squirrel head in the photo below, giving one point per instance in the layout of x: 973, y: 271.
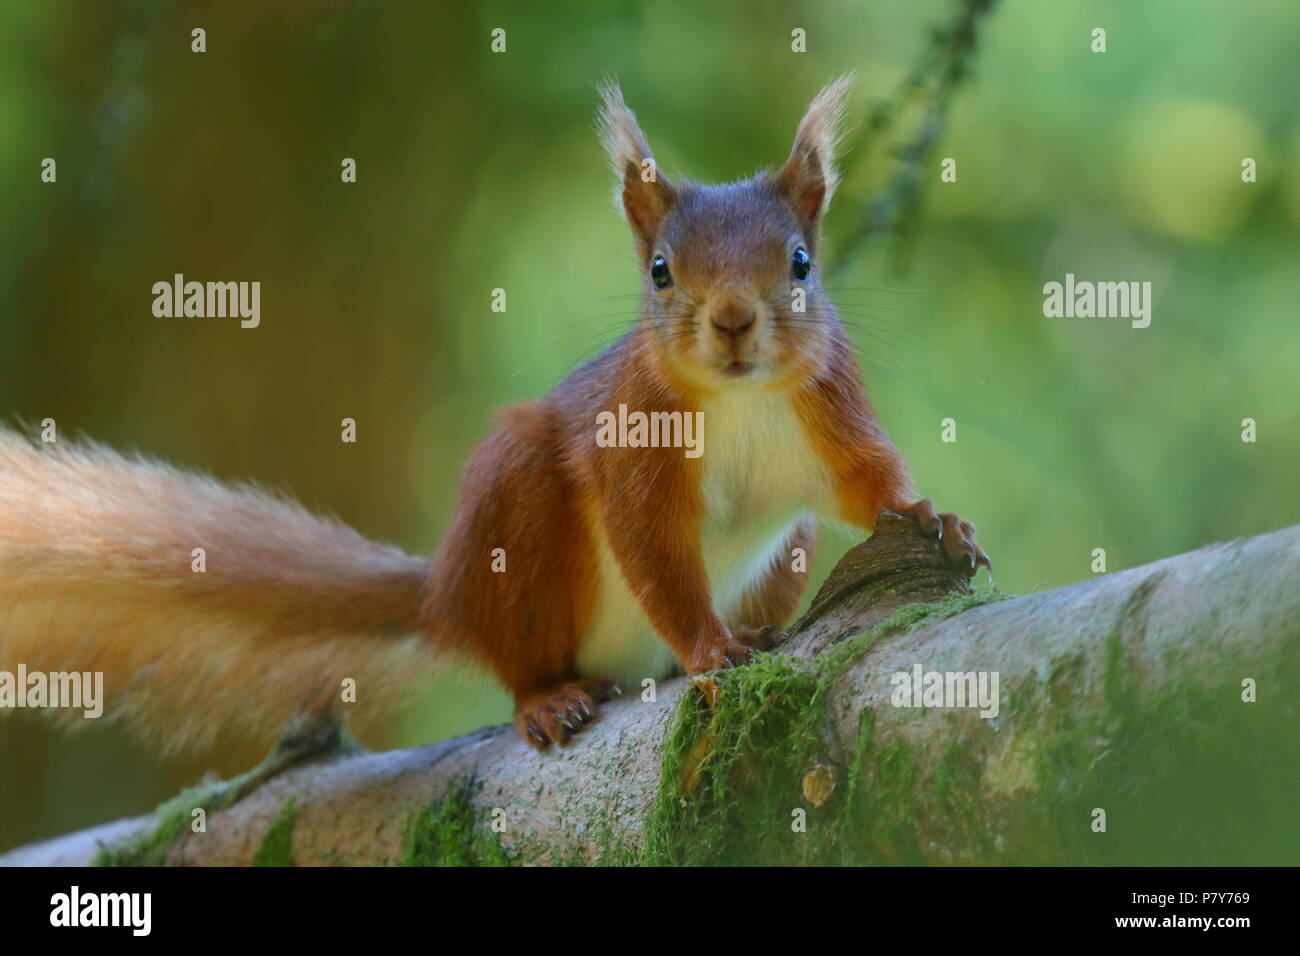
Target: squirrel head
x: 733, y: 295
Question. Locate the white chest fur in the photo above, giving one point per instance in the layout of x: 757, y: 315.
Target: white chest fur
x: 760, y: 477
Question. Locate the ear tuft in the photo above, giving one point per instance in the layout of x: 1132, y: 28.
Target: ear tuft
x: 620, y: 134
x: 640, y: 188
x: 809, y: 176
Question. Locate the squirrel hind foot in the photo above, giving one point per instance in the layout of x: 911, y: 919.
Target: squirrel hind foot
x: 759, y: 638
x: 554, y: 714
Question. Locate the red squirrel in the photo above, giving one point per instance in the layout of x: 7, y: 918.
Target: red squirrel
x: 569, y: 565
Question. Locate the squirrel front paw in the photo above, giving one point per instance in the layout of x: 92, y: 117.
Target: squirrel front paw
x: 555, y: 714
x: 957, y: 537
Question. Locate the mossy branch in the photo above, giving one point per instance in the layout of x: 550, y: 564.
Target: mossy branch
x: 1163, y: 696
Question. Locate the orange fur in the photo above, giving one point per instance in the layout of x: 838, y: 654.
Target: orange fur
x: 869, y: 472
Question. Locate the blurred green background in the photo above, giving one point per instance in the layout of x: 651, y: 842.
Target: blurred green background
x: 480, y: 170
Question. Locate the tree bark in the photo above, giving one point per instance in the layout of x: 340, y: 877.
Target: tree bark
x: 1128, y: 694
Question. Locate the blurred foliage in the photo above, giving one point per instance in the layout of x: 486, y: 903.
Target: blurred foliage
x: 478, y: 171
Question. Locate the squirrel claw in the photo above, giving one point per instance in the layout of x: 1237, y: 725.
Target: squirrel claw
x: 555, y: 714
x: 956, y: 537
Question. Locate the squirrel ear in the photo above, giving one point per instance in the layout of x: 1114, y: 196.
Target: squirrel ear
x: 808, y: 176
x: 641, y: 189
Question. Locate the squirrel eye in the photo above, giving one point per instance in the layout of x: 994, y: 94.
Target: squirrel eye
x: 659, y: 273
x: 800, y: 264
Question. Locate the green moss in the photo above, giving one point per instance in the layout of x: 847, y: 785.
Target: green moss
x: 732, y: 773
x: 172, y: 820
x: 276, y: 848
x: 906, y: 619
x: 724, y: 762
x: 173, y: 817
x: 448, y: 832
x: 959, y: 801
x: 1188, y: 774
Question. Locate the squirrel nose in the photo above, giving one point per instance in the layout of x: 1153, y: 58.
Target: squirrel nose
x: 733, y: 319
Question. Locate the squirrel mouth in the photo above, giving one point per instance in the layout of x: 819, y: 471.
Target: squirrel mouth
x: 736, y: 368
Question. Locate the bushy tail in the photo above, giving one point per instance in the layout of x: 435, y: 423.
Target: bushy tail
x: 98, y: 573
